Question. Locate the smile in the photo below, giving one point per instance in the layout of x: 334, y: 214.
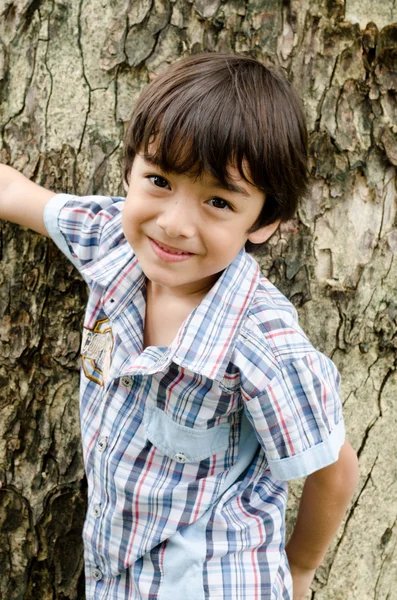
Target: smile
x: 168, y: 253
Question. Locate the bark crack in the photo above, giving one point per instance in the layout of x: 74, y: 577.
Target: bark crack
x: 51, y: 80
x: 323, y: 96
x: 338, y: 331
x: 351, y: 514
x: 383, y: 279
x: 384, y: 561
x: 380, y: 415
x: 105, y: 159
x: 26, y: 90
x: 84, y: 77
x: 373, y: 291
x: 381, y: 219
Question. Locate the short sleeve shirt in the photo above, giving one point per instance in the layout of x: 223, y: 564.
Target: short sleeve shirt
x: 188, y: 448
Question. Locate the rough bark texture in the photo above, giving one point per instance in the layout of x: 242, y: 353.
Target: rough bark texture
x: 70, y: 72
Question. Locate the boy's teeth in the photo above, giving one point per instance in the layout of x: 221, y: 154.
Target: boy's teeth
x: 172, y: 251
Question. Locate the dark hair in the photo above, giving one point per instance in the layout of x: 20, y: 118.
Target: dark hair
x: 209, y: 112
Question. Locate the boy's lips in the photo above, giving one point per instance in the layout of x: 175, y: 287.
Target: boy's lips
x: 169, y: 253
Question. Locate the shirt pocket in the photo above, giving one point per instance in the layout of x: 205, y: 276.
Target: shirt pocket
x: 184, y: 444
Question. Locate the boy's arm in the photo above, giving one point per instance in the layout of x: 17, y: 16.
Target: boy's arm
x: 22, y: 201
x: 325, y: 497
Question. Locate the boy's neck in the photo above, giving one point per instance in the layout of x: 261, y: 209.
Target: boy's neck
x: 191, y: 294
x: 166, y: 310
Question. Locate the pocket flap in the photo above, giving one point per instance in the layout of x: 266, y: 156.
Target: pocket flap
x: 175, y: 440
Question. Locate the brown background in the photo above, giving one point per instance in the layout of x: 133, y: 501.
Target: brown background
x: 69, y: 74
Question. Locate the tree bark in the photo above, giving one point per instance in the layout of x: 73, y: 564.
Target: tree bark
x: 70, y: 72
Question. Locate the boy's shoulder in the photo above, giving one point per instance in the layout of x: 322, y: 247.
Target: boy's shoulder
x: 270, y: 313
x: 270, y: 300
x: 270, y: 338
x: 85, y: 228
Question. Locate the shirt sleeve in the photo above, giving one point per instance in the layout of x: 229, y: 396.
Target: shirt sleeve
x: 298, y: 417
x: 83, y: 228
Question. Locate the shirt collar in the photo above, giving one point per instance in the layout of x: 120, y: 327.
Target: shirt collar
x: 206, y: 340
x: 120, y: 275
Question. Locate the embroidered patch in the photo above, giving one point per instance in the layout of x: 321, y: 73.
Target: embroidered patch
x: 96, y: 351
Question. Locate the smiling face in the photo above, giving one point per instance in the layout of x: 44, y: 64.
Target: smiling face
x: 185, y: 231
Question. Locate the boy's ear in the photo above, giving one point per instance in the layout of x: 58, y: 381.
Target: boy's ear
x: 263, y: 233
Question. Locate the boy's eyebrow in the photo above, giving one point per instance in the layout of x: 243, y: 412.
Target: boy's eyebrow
x: 154, y: 162
x: 230, y: 187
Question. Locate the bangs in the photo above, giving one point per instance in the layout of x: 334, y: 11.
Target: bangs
x: 192, y: 150
x: 198, y: 132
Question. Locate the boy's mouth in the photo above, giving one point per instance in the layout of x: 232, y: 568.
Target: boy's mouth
x: 168, y: 252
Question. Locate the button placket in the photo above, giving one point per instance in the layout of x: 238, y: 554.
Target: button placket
x: 96, y: 510
x: 180, y: 457
x: 126, y: 381
x: 102, y: 444
x: 96, y: 574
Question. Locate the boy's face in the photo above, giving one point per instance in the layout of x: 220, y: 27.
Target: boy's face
x: 186, y: 231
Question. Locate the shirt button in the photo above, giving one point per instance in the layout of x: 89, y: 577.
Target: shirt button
x: 127, y: 382
x: 102, y: 444
x: 180, y: 457
x: 97, y: 574
x: 96, y: 511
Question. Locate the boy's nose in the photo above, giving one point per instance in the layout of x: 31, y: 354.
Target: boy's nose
x: 177, y: 221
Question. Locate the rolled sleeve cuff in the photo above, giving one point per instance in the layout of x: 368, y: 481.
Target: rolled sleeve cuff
x: 51, y: 214
x: 315, y: 458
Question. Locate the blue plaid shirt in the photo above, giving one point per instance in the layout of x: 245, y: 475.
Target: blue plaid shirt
x: 188, y: 448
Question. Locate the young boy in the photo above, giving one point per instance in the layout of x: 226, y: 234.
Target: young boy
x: 200, y: 395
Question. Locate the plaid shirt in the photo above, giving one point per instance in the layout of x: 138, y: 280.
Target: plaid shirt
x: 188, y: 448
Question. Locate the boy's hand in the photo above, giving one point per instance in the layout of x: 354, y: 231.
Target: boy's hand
x: 301, y: 579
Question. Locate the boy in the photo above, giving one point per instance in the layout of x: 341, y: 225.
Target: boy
x: 200, y: 394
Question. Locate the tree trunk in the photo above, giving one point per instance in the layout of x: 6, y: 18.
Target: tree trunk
x: 70, y: 72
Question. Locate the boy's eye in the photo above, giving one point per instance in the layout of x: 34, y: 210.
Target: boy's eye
x: 219, y: 203
x: 158, y: 181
